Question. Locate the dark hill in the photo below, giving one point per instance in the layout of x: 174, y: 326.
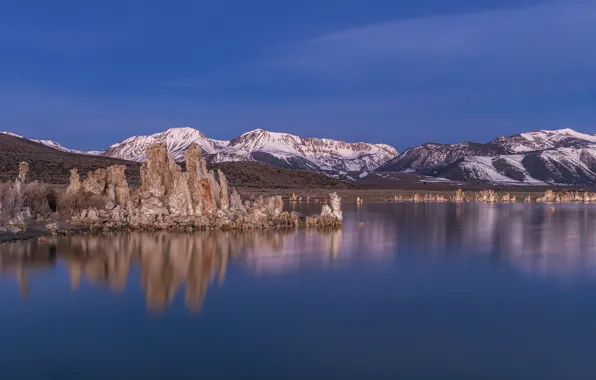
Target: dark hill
x: 53, y: 166
x: 258, y: 175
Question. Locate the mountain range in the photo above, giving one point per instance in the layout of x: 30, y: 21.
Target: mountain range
x: 332, y: 157
x: 280, y: 149
x: 541, y: 157
x: 544, y: 157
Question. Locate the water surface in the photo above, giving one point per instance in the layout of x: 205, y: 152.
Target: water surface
x: 422, y: 291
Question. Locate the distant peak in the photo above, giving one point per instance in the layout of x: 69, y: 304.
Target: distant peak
x: 183, y: 129
x: 562, y: 131
x: 255, y: 131
x: 11, y: 134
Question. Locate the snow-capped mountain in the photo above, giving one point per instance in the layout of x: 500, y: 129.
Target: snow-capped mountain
x: 281, y: 149
x: 544, y: 139
x: 176, y: 139
x: 56, y: 145
x: 541, y: 157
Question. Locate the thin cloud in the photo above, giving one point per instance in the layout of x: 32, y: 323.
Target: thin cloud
x: 545, y: 39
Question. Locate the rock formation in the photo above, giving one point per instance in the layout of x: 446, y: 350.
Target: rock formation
x: 331, y: 214
x: 487, y: 196
x: 75, y: 182
x: 507, y: 198
x: 21, y: 178
x: 12, y: 211
x: 169, y: 198
x: 490, y: 196
x: 95, y: 183
x: 117, y: 188
x: 223, y: 194
x: 459, y: 196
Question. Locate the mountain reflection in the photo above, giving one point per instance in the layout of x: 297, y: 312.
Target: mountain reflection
x: 531, y: 238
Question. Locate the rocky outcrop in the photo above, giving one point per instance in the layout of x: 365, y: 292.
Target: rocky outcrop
x: 74, y: 186
x: 490, y: 196
x: 507, y: 198
x: 170, y: 198
x: 12, y: 211
x: 459, y: 196
x: 117, y: 189
x: 21, y: 178
x: 198, y: 182
x: 95, y: 183
x: 550, y: 196
x: 331, y: 214
x: 223, y: 190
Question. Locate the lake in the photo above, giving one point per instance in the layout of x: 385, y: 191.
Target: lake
x: 421, y: 291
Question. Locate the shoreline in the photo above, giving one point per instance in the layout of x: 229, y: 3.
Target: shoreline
x: 38, y: 230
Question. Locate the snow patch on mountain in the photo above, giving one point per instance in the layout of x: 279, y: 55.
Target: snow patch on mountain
x: 177, y: 141
x: 282, y: 149
x: 559, y: 157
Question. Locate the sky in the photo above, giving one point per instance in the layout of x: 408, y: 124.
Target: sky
x: 401, y: 72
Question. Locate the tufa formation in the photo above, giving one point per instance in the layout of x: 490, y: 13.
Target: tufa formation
x: 170, y: 199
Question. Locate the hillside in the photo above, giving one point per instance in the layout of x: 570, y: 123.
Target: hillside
x: 53, y: 166
x: 257, y: 175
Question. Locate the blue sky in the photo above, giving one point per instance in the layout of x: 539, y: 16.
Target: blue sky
x: 401, y: 72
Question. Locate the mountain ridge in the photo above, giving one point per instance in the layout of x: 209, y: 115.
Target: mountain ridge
x: 282, y: 149
x: 539, y: 157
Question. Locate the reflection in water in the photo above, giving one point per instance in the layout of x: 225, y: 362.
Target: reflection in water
x: 169, y: 261
x: 532, y: 238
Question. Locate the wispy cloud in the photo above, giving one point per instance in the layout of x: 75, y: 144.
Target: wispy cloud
x: 513, y: 36
x: 542, y: 50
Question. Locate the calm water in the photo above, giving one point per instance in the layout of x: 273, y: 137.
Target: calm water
x: 422, y: 291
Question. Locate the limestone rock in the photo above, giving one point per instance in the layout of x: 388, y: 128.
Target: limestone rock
x: 195, y: 178
x: 23, y: 170
x: 179, y: 200
x: 215, y: 189
x: 155, y: 173
x: 487, y: 196
x: 335, y: 202
x: 459, y: 196
x: 92, y: 214
x: 170, y: 199
x: 95, y: 183
x: 117, y: 189
x: 223, y: 194
x: 236, y: 205
x: 52, y: 228
x: 153, y: 206
x: 75, y: 182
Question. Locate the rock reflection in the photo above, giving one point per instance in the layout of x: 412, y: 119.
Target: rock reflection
x: 532, y: 238
x: 170, y: 261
